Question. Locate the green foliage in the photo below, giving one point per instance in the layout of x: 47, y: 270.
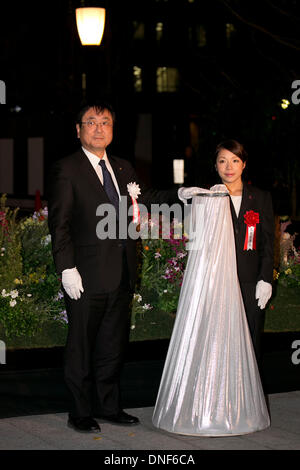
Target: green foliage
x: 162, y: 264
x: 30, y: 290
x: 10, y: 246
x: 21, y: 315
x: 289, y: 276
x: 283, y: 310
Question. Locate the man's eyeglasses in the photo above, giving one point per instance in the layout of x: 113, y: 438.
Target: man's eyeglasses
x: 93, y: 124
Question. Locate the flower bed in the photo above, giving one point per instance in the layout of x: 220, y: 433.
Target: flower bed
x: 30, y: 292
x: 32, y: 311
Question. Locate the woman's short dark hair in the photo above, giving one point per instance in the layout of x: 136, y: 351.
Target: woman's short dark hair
x: 233, y: 146
x: 99, y: 106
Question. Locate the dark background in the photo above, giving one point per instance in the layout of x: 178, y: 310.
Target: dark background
x: 235, y: 60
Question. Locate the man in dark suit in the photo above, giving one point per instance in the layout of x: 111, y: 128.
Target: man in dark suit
x: 98, y: 275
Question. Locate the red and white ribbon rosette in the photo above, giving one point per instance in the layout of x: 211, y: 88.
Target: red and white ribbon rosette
x: 251, y: 219
x: 134, y: 192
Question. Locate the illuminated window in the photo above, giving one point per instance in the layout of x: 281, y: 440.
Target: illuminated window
x: 230, y: 31
x: 200, y: 36
x: 159, y: 31
x: 167, y: 79
x: 138, y: 30
x: 137, y: 79
x: 197, y: 35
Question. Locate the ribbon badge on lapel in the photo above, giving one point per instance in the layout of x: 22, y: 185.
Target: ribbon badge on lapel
x: 251, y: 219
x: 134, y: 192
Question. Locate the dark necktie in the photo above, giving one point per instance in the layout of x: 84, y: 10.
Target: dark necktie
x: 109, y: 186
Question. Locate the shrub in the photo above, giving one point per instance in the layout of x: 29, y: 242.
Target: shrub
x: 30, y: 289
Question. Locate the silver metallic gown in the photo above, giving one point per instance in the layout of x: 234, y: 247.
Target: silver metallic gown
x: 210, y: 384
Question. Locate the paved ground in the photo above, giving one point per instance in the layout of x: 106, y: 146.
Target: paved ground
x: 34, y: 404
x: 49, y: 432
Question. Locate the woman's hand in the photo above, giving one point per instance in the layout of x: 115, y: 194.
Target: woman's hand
x: 187, y: 193
x: 263, y: 293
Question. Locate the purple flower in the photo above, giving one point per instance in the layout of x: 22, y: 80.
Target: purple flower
x: 63, y: 316
x: 59, y: 296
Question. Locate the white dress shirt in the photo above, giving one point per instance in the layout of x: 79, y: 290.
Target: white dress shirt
x: 236, y: 201
x: 94, y: 160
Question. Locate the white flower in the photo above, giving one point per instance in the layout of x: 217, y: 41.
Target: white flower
x: 29, y: 295
x: 46, y: 240
x: 14, y: 293
x: 134, y: 190
x: 3, y: 249
x: 147, y: 307
x: 12, y: 303
x: 157, y: 255
x: 137, y: 297
x: 4, y: 293
x: 165, y: 291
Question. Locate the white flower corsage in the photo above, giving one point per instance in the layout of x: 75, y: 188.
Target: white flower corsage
x: 134, y: 192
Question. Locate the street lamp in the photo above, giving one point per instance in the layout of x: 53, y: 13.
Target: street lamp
x: 90, y: 25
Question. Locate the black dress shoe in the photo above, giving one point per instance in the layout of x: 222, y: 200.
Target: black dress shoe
x: 121, y: 418
x: 86, y: 424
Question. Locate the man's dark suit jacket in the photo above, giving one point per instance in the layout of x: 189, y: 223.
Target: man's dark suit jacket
x: 255, y: 265
x: 75, y: 192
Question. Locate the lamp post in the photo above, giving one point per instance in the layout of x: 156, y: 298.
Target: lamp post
x: 90, y: 26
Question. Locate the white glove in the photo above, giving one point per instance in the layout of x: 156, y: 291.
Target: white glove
x: 72, y: 283
x: 263, y: 293
x: 187, y: 193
